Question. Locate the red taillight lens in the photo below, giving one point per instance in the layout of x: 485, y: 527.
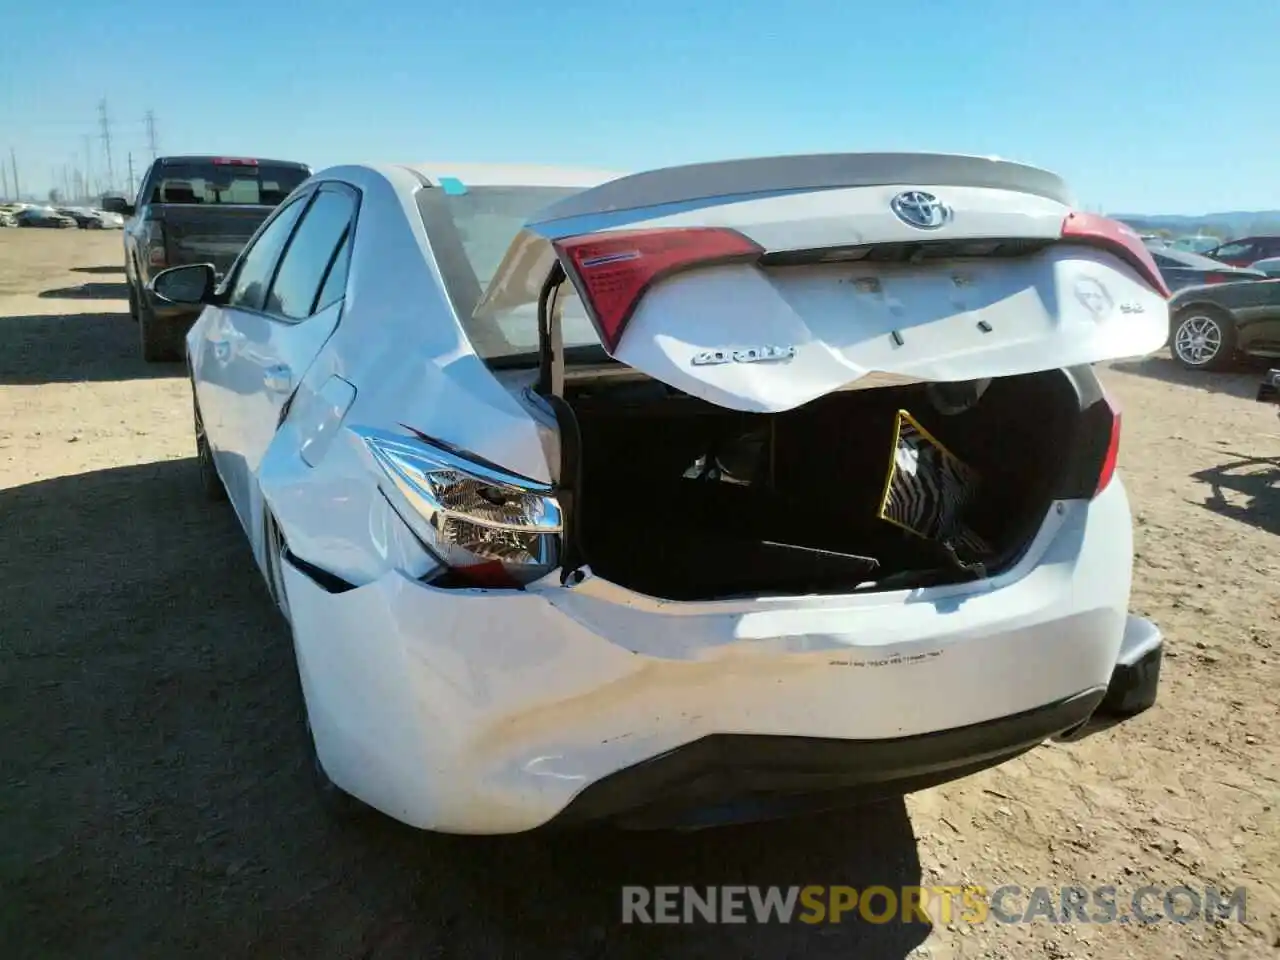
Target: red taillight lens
x: 235, y: 162
x: 1108, y: 468
x: 613, y: 270
x: 1114, y: 236
x: 1218, y: 278
x: 156, y: 256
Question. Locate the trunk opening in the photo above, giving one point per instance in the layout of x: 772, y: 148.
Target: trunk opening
x: 681, y: 499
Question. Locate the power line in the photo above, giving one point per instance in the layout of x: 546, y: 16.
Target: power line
x: 105, y: 124
x: 150, y: 121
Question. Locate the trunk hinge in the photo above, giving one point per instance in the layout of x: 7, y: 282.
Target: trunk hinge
x: 551, y: 335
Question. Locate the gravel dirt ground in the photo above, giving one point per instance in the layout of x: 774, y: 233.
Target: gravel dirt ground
x: 154, y: 794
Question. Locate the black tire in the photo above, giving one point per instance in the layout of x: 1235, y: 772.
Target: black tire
x: 155, y: 337
x: 1203, y: 337
x: 337, y: 803
x: 210, y: 482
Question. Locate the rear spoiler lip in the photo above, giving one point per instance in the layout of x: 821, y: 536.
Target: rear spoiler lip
x: 777, y: 175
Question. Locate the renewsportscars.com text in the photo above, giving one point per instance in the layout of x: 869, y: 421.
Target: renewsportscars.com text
x: 933, y: 904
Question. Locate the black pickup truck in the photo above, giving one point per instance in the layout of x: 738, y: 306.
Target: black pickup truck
x: 193, y: 210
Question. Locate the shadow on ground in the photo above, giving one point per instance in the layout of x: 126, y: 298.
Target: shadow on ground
x: 95, y: 290
x: 1241, y: 381
x: 102, y: 269
x: 68, y: 347
x: 1256, y: 481
x: 157, y: 800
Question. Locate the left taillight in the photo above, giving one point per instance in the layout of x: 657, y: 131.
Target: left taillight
x: 1115, y: 237
x: 487, y: 527
x: 612, y: 271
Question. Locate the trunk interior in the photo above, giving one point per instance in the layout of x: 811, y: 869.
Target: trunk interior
x: 793, y: 507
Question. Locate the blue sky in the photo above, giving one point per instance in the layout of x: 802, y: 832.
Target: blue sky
x: 1142, y: 106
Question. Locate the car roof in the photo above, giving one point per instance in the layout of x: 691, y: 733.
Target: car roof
x: 193, y: 158
x: 1250, y: 239
x: 1194, y: 260
x: 514, y: 174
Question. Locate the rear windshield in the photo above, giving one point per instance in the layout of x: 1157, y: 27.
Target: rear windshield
x: 470, y: 229
x: 206, y: 182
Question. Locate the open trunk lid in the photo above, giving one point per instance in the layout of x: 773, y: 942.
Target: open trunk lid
x: 762, y: 284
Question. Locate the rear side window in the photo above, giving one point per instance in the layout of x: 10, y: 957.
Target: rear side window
x: 254, y: 273
x: 1233, y: 250
x: 207, y: 182
x: 470, y: 229
x: 311, y: 255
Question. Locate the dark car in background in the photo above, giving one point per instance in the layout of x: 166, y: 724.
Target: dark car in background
x: 1246, y: 250
x: 1181, y: 269
x: 1209, y: 326
x: 193, y: 209
x: 43, y: 217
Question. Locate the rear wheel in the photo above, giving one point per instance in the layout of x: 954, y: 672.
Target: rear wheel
x: 155, y: 336
x: 1204, y: 338
x: 210, y: 482
x: 337, y: 803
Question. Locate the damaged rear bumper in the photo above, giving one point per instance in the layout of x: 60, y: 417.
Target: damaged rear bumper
x: 724, y: 779
x: 475, y: 711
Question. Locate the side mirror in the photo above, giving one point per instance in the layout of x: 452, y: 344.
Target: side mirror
x: 117, y: 205
x: 191, y: 284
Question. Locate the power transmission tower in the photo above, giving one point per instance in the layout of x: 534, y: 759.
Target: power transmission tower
x: 13, y: 159
x: 4, y: 181
x: 88, y: 164
x: 131, y: 173
x: 151, y: 133
x: 105, y: 124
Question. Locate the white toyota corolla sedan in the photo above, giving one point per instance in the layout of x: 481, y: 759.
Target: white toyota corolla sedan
x: 700, y: 495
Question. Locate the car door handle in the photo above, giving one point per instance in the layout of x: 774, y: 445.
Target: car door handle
x: 221, y: 349
x: 278, y: 378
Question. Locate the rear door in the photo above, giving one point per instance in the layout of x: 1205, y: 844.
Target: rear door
x: 283, y: 304
x: 761, y: 285
x: 1257, y: 316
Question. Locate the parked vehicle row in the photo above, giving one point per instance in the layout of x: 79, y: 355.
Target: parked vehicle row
x: 31, y: 215
x: 539, y: 472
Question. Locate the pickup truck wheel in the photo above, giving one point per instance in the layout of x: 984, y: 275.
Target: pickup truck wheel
x: 1204, y: 338
x: 156, y: 337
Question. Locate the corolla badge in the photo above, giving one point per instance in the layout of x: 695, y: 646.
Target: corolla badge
x: 919, y: 209
x: 707, y: 358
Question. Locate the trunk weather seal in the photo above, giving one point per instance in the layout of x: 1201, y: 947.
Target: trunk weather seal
x: 550, y: 346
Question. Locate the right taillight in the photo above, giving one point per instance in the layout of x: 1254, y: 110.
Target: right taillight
x: 1115, y: 237
x: 1218, y: 278
x: 1111, y: 454
x: 1090, y: 455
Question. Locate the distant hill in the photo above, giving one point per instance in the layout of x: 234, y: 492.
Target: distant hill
x: 1234, y: 223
